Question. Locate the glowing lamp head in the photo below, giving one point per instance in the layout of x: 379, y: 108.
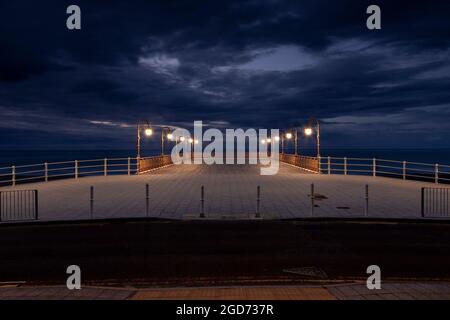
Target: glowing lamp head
x: 308, y: 131
x: 182, y: 139
x: 148, y: 132
x: 288, y: 135
x: 196, y: 141
x: 269, y: 140
x: 170, y: 136
x: 277, y: 138
x: 263, y: 141
x: 191, y: 140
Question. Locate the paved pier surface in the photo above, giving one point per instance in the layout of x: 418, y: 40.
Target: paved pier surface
x: 230, y: 193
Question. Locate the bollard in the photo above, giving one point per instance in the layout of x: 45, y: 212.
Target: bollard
x: 105, y: 164
x: 312, y: 199
x: 202, y: 202
x: 366, y: 197
x: 92, y: 203
x: 76, y: 169
x: 147, y: 198
x: 422, y: 204
x: 129, y: 166
x: 36, y: 205
x: 258, y: 201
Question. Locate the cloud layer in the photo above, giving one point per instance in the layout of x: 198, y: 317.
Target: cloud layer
x: 243, y: 63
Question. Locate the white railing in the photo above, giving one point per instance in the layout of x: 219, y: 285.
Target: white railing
x: 13, y: 175
x: 405, y: 170
x: 67, y: 169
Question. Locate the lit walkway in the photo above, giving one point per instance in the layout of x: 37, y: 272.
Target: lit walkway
x: 230, y: 193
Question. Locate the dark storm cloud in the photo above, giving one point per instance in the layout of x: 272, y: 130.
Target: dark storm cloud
x: 248, y: 63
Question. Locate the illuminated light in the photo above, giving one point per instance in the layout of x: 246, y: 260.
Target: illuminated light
x: 196, y: 141
x: 263, y: 141
x: 182, y: 139
x: 277, y: 138
x: 288, y: 135
x: 308, y: 131
x: 170, y: 136
x: 148, y: 132
x: 269, y: 140
x: 190, y: 140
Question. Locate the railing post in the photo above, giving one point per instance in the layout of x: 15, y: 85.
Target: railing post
x: 46, y: 171
x: 202, y: 202
x: 436, y: 173
x: 366, y: 197
x: 13, y: 175
x: 404, y: 170
x: 76, y: 169
x: 105, y: 165
x: 312, y: 199
x: 329, y: 165
x: 374, y: 167
x: 345, y: 165
x: 258, y: 200
x: 129, y: 166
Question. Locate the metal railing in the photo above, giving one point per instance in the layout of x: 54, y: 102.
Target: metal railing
x: 75, y: 169
x: 151, y: 163
x: 309, y: 163
x: 386, y: 168
x: 435, y: 202
x: 18, y: 205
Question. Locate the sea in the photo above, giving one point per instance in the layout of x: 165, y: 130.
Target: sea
x: 26, y: 157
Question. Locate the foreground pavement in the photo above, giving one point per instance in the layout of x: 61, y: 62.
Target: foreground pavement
x: 223, y: 253
x: 357, y: 291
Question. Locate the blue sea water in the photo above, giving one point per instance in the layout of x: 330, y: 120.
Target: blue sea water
x: 24, y: 157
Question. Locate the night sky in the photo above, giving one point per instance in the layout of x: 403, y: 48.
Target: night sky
x: 232, y: 64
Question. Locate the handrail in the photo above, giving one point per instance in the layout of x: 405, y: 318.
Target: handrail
x: 323, y: 165
x: 385, y: 168
x: 76, y: 168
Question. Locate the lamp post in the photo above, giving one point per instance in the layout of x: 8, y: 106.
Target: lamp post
x: 148, y: 132
x: 289, y: 136
x: 169, y: 137
x: 309, y: 131
x: 269, y: 142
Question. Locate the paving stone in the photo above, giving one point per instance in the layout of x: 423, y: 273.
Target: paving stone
x: 230, y: 191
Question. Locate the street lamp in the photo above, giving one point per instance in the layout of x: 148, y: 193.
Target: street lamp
x: 288, y: 136
x: 309, y: 131
x: 147, y: 131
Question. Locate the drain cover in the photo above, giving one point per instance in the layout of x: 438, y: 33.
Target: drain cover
x: 311, y: 272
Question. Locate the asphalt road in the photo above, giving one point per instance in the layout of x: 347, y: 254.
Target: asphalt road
x: 222, y: 252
